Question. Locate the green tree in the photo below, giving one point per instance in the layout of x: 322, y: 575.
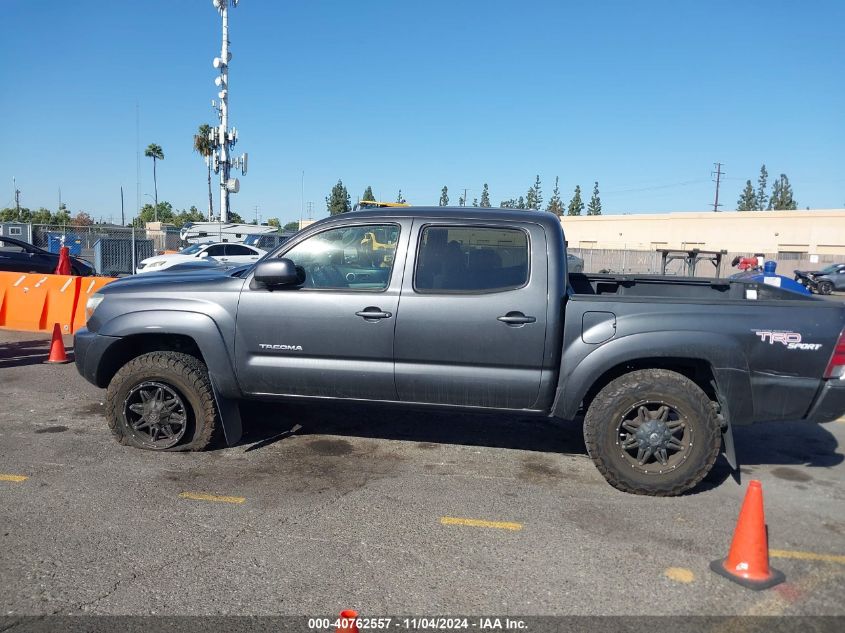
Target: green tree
x: 762, y: 198
x: 461, y: 201
x: 156, y: 153
x: 475, y: 202
x: 534, y: 197
x: 444, y: 196
x: 338, y: 201
x: 576, y: 205
x: 292, y: 226
x: 594, y: 208
x: 510, y: 203
x: 204, y: 146
x: 782, y: 198
x: 747, y: 199
x: 520, y: 204
x: 191, y: 215
x: 400, y: 199
x: 485, y: 197
x: 274, y: 222
x: 42, y: 216
x: 61, y: 217
x: 555, y: 203
x: 235, y: 218
x: 162, y: 213
x: 368, y: 195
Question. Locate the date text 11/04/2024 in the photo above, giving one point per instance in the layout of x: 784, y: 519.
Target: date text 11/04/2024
x: 434, y: 623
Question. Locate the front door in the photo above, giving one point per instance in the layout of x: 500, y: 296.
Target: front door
x: 333, y: 335
x: 472, y: 319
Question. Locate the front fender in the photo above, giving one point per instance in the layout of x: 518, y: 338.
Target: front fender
x: 201, y: 328
x: 580, y: 370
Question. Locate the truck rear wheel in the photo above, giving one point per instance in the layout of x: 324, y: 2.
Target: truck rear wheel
x: 163, y: 401
x: 652, y: 432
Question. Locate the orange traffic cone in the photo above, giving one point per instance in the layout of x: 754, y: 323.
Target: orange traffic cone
x: 348, y: 621
x: 63, y: 267
x: 57, y: 347
x: 748, y: 559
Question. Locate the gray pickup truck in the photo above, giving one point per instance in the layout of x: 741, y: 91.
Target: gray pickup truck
x: 465, y: 308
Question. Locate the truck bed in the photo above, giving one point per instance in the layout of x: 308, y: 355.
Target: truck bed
x: 678, y: 288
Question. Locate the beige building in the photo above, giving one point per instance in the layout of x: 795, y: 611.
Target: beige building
x: 789, y: 234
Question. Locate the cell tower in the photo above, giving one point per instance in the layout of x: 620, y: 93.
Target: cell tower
x: 224, y: 139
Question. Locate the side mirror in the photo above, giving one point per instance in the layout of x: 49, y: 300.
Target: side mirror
x: 278, y: 272
x: 203, y: 255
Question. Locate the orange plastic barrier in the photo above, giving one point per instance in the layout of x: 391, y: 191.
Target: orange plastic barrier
x: 87, y: 287
x: 35, y: 303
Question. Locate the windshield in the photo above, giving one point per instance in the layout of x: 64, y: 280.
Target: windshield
x: 194, y: 248
x: 828, y: 270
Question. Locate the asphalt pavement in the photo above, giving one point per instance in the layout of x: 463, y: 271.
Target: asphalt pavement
x: 327, y: 507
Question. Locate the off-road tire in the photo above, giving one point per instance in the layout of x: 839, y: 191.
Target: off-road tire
x: 825, y: 287
x: 185, y: 373
x: 678, y: 391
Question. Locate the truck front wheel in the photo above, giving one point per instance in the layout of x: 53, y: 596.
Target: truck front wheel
x: 163, y: 401
x: 652, y: 432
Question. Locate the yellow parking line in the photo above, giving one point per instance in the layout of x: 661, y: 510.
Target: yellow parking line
x: 201, y: 496
x: 825, y: 558
x: 501, y: 525
x: 15, y: 478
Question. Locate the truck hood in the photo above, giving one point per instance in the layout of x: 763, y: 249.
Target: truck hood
x: 176, y: 280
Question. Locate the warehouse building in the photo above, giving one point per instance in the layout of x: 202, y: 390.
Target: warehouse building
x: 790, y: 235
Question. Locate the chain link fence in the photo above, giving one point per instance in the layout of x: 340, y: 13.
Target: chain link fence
x: 107, y: 248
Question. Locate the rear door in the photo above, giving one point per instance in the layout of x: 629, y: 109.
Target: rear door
x: 331, y: 337
x: 472, y: 321
x: 240, y: 254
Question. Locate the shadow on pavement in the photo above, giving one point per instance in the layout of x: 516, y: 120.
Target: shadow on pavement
x: 266, y: 423
x: 22, y: 353
x: 772, y: 444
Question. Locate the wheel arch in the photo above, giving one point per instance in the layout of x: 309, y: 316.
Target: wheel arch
x: 192, y: 333
x: 713, y: 362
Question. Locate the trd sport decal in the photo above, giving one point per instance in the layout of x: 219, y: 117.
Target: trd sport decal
x: 792, y: 340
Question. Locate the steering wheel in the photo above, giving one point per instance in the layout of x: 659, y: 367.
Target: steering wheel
x: 325, y: 276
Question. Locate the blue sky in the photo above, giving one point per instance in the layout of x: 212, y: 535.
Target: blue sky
x: 642, y: 96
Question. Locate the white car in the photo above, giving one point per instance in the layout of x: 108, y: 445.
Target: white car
x: 227, y: 253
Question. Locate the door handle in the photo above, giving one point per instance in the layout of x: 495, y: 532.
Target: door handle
x: 516, y: 318
x: 373, y: 313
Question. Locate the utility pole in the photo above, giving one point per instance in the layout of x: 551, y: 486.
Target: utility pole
x: 718, y: 173
x: 122, y: 216
x: 226, y: 139
x: 256, y: 214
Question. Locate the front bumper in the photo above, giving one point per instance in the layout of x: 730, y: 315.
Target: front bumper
x: 88, y: 350
x: 829, y: 404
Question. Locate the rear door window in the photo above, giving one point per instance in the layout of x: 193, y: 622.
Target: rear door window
x: 471, y: 259
x: 218, y: 250
x: 237, y: 249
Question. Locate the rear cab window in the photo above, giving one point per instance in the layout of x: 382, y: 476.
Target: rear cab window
x: 471, y: 259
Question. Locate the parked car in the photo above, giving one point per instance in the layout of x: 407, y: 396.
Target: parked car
x: 21, y: 257
x: 822, y: 281
x: 466, y: 308
x: 226, y: 253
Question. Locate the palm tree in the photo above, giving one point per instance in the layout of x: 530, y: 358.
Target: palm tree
x: 156, y: 153
x: 204, y: 146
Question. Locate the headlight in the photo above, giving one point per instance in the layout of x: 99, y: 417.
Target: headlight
x: 93, y: 301
x: 156, y: 264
